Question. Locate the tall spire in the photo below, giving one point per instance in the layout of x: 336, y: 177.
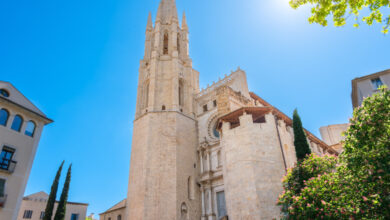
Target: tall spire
x: 184, y: 22
x: 149, y: 25
x: 166, y: 11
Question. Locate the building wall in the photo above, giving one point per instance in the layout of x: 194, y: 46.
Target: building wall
x: 333, y: 134
x: 113, y: 215
x: 362, y: 87
x: 39, y: 205
x: 163, y: 157
x: 253, y: 169
x: 25, y: 150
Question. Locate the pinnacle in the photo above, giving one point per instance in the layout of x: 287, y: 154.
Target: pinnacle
x: 167, y: 11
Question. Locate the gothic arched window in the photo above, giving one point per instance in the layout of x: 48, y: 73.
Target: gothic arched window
x: 4, y: 115
x: 165, y: 45
x: 119, y: 217
x: 17, y: 123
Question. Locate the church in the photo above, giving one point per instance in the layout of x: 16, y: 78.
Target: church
x: 210, y: 154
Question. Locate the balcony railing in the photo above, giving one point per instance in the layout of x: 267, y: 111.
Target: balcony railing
x: 3, y: 198
x: 7, y: 165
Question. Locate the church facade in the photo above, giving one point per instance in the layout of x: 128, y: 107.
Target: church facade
x: 203, y: 154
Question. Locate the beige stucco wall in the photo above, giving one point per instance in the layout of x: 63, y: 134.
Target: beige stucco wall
x: 25, y: 150
x: 113, y: 215
x: 333, y: 134
x: 366, y: 89
x: 38, y: 206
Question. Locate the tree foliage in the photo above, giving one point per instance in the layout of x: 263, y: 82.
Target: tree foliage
x: 340, y: 10
x: 359, y: 187
x: 300, y: 142
x: 53, y: 194
x: 61, y: 210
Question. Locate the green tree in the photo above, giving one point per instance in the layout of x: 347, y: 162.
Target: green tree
x: 340, y: 10
x: 53, y: 194
x: 61, y: 210
x: 359, y: 187
x: 300, y: 142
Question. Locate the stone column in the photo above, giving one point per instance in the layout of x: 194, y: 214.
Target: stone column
x: 211, y: 215
x: 201, y: 162
x: 209, y: 160
x: 203, y: 205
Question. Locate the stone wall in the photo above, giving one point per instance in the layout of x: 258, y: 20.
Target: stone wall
x: 163, y: 158
x: 253, y: 169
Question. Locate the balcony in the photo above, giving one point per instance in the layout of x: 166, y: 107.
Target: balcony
x: 7, y: 166
x: 3, y: 198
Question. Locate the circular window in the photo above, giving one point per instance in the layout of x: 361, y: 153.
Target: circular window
x: 212, y: 128
x: 4, y: 93
x: 215, y: 132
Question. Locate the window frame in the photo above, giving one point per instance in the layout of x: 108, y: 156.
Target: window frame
x: 74, y: 214
x: 4, y: 93
x: 218, y: 205
x: 42, y: 215
x: 374, y: 83
x: 34, y: 128
x: 7, y: 118
x: 205, y: 108
x: 2, y: 194
x: 27, y: 214
x: 21, y: 123
x: 9, y: 150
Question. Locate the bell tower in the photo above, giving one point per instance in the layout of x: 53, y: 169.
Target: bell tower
x: 163, y: 165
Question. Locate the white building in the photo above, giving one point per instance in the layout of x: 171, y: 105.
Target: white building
x: 21, y: 125
x: 365, y: 86
x: 33, y: 208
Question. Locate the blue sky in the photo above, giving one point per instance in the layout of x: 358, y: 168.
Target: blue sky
x: 78, y: 62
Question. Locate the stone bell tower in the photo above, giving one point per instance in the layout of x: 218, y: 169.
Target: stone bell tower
x: 163, y: 158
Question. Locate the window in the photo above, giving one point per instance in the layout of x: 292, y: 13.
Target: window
x: 109, y: 218
x: 119, y: 217
x: 74, y: 216
x: 181, y: 96
x: 17, y: 123
x: 163, y: 108
x: 27, y: 214
x: 4, y: 115
x: 165, y: 48
x: 6, y: 158
x: 221, y: 203
x: 4, y: 93
x: 215, y: 103
x: 30, y: 129
x: 146, y: 93
x: 2, y: 187
x: 215, y: 131
x: 376, y: 83
x: 42, y: 215
x: 205, y: 108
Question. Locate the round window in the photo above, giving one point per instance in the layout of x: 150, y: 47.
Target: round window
x: 4, y: 93
x: 215, y: 131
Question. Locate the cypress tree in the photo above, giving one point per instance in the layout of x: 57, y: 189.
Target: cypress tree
x: 60, y: 213
x: 300, y: 142
x: 53, y: 194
